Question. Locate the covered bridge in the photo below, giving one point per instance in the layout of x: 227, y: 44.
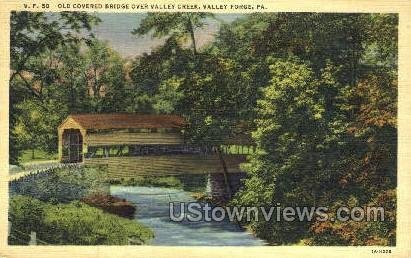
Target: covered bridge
x: 131, y: 144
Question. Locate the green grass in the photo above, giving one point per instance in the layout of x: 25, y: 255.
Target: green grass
x: 39, y: 155
x: 159, y: 181
x: 190, y: 183
x: 74, y: 223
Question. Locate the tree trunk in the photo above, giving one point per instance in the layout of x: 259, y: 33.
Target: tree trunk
x: 193, y: 40
x: 225, y: 172
x: 32, y: 153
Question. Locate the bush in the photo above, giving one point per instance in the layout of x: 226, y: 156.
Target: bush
x: 381, y: 233
x: 164, y: 181
x: 26, y: 214
x: 192, y: 183
x: 63, y: 184
x: 75, y: 223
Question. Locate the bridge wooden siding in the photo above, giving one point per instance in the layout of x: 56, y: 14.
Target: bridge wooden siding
x: 132, y: 138
x: 161, y: 165
x: 138, y: 144
x: 95, y: 130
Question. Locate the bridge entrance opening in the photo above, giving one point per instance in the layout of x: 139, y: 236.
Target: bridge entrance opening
x: 72, y: 146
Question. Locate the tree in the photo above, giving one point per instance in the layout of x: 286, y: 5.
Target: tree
x: 169, y: 96
x: 105, y: 78
x: 34, y: 128
x: 151, y: 74
x: 326, y: 121
x: 175, y: 25
x: 33, y: 33
x: 33, y: 36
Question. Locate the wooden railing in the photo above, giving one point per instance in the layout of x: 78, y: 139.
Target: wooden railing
x: 164, y: 149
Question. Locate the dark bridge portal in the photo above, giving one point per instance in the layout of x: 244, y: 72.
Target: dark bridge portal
x: 72, y: 146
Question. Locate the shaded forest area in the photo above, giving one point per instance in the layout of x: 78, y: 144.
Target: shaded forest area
x: 318, y: 93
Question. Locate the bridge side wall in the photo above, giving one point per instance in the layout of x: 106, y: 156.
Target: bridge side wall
x: 123, y: 137
x: 163, y: 165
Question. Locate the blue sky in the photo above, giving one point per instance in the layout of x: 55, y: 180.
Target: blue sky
x: 116, y: 28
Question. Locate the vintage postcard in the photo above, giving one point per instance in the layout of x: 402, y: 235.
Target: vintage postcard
x: 205, y: 129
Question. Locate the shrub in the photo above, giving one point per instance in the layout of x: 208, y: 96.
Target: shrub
x: 63, y: 184
x: 360, y: 233
x: 163, y: 181
x: 75, y: 223
x: 25, y: 214
x: 80, y: 224
x: 193, y: 183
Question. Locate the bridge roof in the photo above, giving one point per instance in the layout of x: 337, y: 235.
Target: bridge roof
x: 126, y: 121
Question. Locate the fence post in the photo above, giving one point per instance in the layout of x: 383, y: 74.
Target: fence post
x: 33, y: 238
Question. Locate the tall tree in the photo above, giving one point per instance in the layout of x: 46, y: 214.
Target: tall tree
x: 324, y: 137
x: 33, y: 33
x: 33, y: 36
x: 105, y: 78
x: 176, y: 25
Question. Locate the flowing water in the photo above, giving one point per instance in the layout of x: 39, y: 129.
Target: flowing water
x: 153, y: 210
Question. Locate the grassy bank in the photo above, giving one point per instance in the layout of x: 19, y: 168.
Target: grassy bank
x: 63, y: 185
x: 165, y: 181
x: 36, y: 155
x: 49, y: 204
x: 75, y: 223
x: 190, y: 183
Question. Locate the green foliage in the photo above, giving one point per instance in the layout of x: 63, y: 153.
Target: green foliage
x: 61, y: 69
x: 34, y: 128
x: 323, y: 123
x: 34, y: 33
x: 359, y: 233
x: 162, y: 181
x: 176, y: 25
x: 105, y: 78
x: 157, y: 78
x: 318, y: 92
x: 33, y: 36
x: 26, y: 214
x: 63, y: 185
x: 39, y: 155
x: 192, y: 183
x: 168, y: 96
x: 216, y: 100
x: 73, y: 224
